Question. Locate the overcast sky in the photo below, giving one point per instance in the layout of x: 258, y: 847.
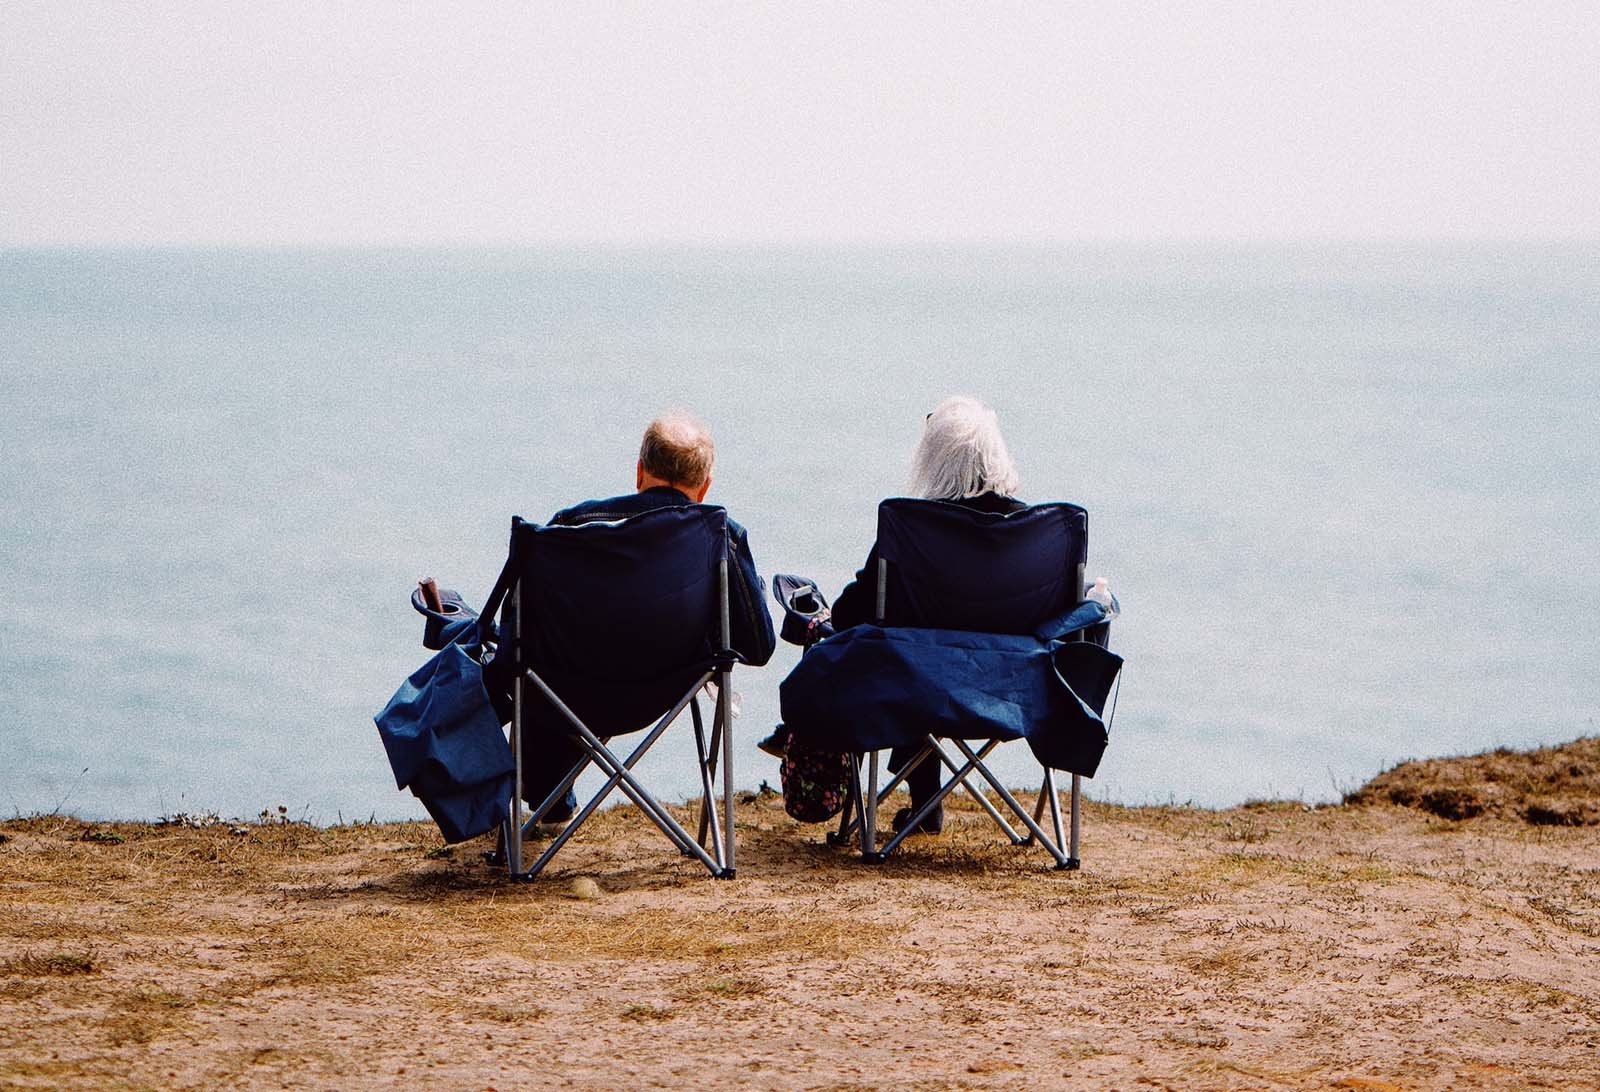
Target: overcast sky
x: 307, y: 121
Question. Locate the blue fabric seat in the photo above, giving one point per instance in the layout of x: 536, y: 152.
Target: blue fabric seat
x: 612, y: 628
x: 982, y: 634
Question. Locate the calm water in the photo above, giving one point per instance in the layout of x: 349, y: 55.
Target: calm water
x: 1348, y: 496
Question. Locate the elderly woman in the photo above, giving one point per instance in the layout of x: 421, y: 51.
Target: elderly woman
x: 961, y: 458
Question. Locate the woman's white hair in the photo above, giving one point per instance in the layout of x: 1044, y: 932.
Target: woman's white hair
x: 962, y: 453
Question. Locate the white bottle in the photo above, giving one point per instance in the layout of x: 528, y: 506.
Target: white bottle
x: 1101, y: 593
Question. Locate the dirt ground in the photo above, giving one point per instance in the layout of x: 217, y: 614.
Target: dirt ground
x: 1268, y: 946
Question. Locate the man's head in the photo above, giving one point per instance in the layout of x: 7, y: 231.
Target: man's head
x: 676, y: 451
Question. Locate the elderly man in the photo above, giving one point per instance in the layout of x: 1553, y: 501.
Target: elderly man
x: 674, y: 469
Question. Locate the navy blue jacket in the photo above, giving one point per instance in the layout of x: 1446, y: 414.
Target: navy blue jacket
x: 753, y: 636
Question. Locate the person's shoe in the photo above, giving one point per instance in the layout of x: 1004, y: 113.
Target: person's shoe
x: 933, y: 824
x: 542, y: 831
x: 777, y: 744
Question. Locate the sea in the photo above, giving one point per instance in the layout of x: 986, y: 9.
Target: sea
x: 1347, y: 495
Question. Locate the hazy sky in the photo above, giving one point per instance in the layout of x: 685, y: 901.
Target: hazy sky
x: 310, y: 121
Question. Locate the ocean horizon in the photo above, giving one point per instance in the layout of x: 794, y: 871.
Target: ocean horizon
x: 1347, y: 494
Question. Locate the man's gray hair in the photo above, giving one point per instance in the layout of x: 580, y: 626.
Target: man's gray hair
x: 678, y: 449
x: 962, y: 453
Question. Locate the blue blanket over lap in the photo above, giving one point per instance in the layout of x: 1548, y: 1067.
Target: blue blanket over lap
x: 869, y: 688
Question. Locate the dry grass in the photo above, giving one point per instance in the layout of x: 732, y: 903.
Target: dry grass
x: 1266, y: 946
x: 1549, y: 786
x: 58, y: 963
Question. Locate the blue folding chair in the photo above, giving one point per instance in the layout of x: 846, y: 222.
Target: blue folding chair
x: 983, y: 636
x: 612, y: 628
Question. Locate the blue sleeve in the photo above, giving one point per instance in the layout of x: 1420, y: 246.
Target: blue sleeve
x: 753, y: 636
x: 857, y: 603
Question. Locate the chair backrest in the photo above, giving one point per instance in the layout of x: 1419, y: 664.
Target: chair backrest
x: 619, y: 618
x: 950, y: 567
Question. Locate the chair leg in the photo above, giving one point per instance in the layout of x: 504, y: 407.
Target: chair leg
x: 847, y: 825
x: 499, y: 856
x: 621, y: 776
x: 1055, y: 805
x: 847, y: 813
x: 931, y: 750
x: 708, y: 757
x: 1049, y: 794
x: 725, y: 719
x: 854, y: 814
x: 1062, y: 861
x: 869, y: 823
x: 708, y: 804
x: 1073, y: 859
x: 595, y: 801
x: 961, y: 780
x: 945, y: 790
x: 1038, y: 804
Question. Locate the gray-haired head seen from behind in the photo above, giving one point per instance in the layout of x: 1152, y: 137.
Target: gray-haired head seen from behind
x: 962, y: 453
x: 677, y: 450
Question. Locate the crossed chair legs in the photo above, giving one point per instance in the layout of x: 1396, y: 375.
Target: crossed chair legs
x: 859, y: 820
x: 719, y: 826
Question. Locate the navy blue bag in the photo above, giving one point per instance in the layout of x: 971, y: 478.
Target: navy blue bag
x: 444, y: 741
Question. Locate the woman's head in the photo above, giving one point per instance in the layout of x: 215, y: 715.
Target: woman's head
x: 962, y: 453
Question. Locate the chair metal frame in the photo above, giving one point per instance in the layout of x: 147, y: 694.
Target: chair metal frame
x: 859, y: 820
x: 718, y: 824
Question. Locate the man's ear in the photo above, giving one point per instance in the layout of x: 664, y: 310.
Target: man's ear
x: 638, y: 476
x: 700, y: 494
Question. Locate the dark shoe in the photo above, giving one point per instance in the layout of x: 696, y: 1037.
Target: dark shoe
x: 777, y: 744
x: 933, y: 824
x: 497, y: 858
